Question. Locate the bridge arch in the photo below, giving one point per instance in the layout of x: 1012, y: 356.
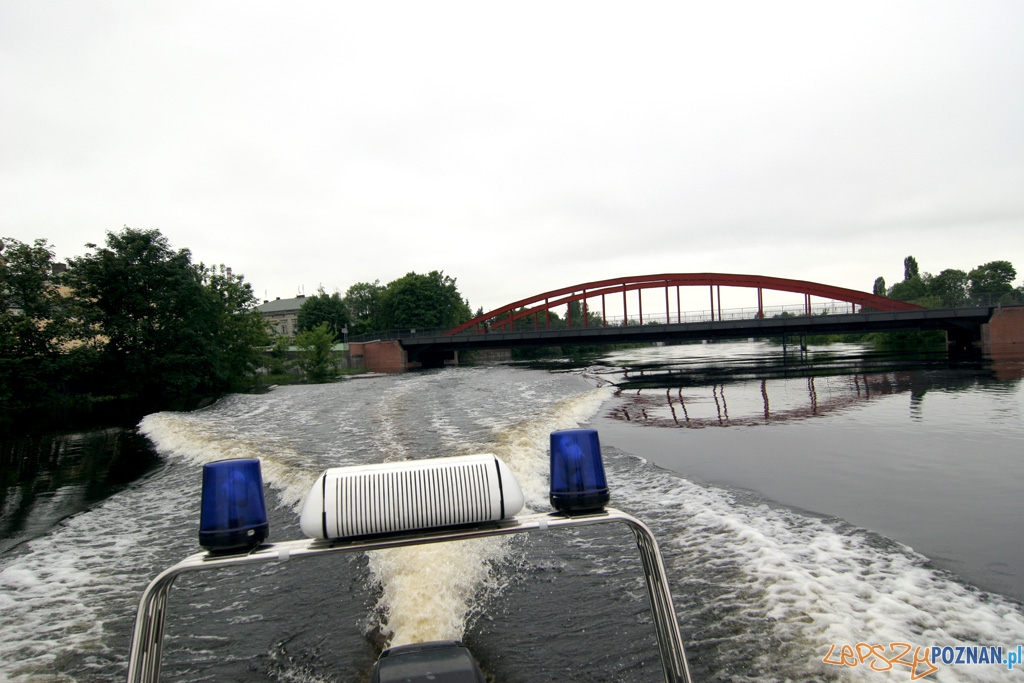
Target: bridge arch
x: 506, y: 316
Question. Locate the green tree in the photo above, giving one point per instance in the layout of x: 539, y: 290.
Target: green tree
x: 323, y: 308
x: 315, y: 352
x: 910, y: 269
x: 30, y: 303
x: 241, y: 333
x: 422, y: 301
x: 991, y: 281
x: 167, y: 329
x: 913, y: 287
x: 277, y: 357
x: 574, y: 315
x: 909, y: 290
x: 879, y: 288
x: 950, y: 287
x: 362, y: 300
x: 38, y: 361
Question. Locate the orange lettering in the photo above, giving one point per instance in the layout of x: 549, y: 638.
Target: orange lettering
x: 914, y: 676
x: 832, y: 649
x: 879, y: 652
x: 898, y: 659
x: 875, y: 656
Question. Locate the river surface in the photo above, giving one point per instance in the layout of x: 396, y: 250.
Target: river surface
x: 804, y: 502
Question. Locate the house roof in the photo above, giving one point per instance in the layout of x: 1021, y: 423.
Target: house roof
x: 282, y: 305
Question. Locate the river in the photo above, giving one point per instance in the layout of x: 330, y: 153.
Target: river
x: 800, y: 502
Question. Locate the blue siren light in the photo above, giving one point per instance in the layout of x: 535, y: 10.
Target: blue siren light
x: 577, y: 473
x: 234, y: 514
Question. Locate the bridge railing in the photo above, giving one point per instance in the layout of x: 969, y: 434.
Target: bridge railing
x: 388, y: 335
x: 526, y: 324
x: 595, y: 318
x: 672, y: 318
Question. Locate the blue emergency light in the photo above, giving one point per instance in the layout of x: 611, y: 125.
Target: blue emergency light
x: 577, y: 474
x: 234, y: 515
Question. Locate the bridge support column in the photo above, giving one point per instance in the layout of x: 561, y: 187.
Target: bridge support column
x: 1003, y: 335
x: 382, y: 356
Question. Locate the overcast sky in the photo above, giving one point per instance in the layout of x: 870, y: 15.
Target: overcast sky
x: 520, y: 147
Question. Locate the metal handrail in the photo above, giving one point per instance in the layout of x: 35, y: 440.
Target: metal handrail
x: 147, y: 637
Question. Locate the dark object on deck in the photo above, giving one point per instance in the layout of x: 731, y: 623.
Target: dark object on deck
x: 440, y: 661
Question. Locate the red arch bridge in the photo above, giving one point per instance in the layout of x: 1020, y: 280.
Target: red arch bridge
x: 649, y: 308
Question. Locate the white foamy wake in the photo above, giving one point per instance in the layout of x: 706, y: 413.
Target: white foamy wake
x: 432, y: 592
x: 196, y: 439
x: 429, y: 592
x: 814, y: 582
x: 60, y: 593
x: 58, y: 590
x: 524, y: 445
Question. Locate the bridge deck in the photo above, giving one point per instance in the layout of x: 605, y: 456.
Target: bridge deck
x: 963, y: 320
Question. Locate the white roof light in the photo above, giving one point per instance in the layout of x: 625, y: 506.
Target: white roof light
x: 410, y: 495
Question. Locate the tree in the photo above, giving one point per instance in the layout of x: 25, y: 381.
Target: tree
x: 910, y: 269
x: 421, y: 301
x: 242, y: 333
x: 991, y: 281
x: 909, y: 290
x: 167, y: 330
x: 321, y: 308
x: 879, y: 288
x: 913, y: 286
x: 362, y: 300
x: 574, y: 315
x: 277, y: 358
x: 37, y: 335
x: 315, y: 352
x: 950, y: 286
x: 30, y: 303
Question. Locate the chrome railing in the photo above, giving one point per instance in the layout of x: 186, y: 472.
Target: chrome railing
x: 147, y: 638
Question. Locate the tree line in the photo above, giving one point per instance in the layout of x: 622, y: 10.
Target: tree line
x: 138, y: 322
x: 413, y: 301
x: 986, y: 285
x: 134, y: 320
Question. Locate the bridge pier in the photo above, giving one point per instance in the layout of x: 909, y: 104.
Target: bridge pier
x: 391, y: 356
x: 380, y: 356
x: 1003, y: 335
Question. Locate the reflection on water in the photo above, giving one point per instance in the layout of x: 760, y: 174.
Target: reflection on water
x: 730, y: 385
x: 749, y: 403
x: 46, y: 478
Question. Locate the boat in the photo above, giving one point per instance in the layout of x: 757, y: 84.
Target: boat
x: 397, y: 504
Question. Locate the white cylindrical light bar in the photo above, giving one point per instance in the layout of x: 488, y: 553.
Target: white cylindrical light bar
x: 393, y: 497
